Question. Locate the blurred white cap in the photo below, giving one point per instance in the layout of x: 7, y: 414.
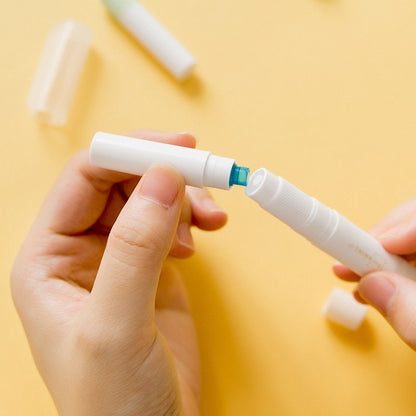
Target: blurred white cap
x: 58, y: 72
x: 342, y: 308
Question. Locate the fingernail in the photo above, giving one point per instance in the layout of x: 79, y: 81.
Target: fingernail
x: 194, y: 135
x: 377, y: 290
x: 184, y: 236
x: 210, y: 205
x: 358, y: 297
x: 159, y: 185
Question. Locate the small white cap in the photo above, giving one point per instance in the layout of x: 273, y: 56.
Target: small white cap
x: 342, y: 308
x: 58, y: 72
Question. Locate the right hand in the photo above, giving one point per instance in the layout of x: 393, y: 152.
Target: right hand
x: 393, y: 295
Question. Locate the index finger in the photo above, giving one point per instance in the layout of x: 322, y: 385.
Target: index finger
x: 394, y: 217
x: 81, y: 192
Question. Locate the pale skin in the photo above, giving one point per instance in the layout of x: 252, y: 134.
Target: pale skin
x: 107, y: 317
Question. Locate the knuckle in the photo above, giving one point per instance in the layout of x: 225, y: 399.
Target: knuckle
x: 126, y: 240
x: 80, y: 163
x: 92, y: 342
x: 77, y: 160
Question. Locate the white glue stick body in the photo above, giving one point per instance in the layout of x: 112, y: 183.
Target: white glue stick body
x: 199, y: 167
x: 136, y: 19
x: 323, y: 227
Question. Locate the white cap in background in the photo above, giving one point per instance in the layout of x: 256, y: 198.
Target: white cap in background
x: 59, y: 71
x: 341, y: 307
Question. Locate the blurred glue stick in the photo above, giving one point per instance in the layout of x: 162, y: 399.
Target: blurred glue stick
x: 59, y: 71
x: 137, y: 20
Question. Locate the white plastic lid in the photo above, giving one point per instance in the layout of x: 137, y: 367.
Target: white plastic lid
x: 58, y: 72
x: 342, y: 308
x: 153, y: 36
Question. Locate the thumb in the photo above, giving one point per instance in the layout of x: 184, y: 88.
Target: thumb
x: 395, y: 298
x: 124, y: 291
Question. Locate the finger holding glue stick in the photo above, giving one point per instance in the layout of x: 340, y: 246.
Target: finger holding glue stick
x: 391, y: 293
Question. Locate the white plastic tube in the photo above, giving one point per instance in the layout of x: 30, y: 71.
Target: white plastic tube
x: 59, y: 71
x: 136, y: 19
x: 199, y: 168
x: 323, y: 227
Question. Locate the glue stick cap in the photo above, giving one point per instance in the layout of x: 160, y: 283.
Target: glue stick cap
x: 148, y: 31
x: 58, y: 72
x: 342, y: 308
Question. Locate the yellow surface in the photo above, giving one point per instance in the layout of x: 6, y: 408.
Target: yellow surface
x: 321, y: 92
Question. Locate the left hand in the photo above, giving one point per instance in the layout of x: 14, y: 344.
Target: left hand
x: 107, y: 320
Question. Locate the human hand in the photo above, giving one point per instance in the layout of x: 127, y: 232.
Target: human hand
x: 394, y: 296
x: 107, y: 318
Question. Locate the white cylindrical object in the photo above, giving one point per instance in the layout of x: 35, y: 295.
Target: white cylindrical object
x: 127, y: 154
x: 59, y: 71
x: 342, y: 308
x: 323, y: 227
x: 137, y: 20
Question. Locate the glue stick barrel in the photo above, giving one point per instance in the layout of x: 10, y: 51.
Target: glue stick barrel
x: 130, y: 155
x: 137, y: 20
x: 323, y: 227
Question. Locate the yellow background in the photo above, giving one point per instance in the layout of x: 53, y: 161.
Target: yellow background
x: 321, y: 92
